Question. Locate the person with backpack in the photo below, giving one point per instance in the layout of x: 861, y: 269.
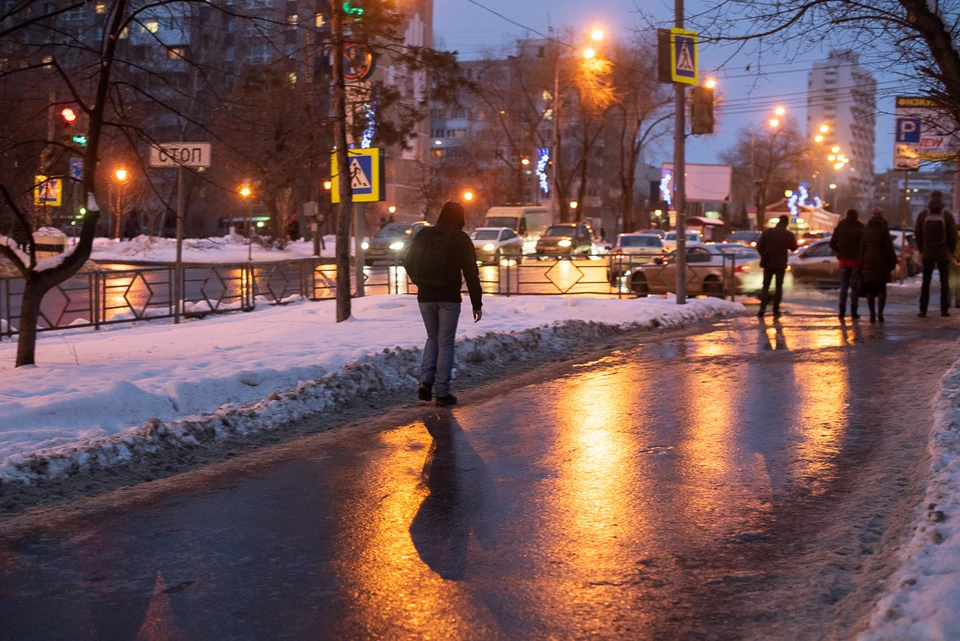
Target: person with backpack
x: 936, y: 233
x: 877, y: 259
x: 845, y: 243
x: 437, y: 257
x: 774, y: 247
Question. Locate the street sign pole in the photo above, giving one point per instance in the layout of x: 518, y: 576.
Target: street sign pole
x: 178, y: 266
x: 679, y: 173
x: 358, y: 246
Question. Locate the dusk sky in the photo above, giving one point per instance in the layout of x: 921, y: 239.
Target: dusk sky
x: 469, y: 29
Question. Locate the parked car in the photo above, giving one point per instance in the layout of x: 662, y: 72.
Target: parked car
x: 493, y: 243
x: 694, y: 239
x: 812, y: 237
x: 815, y: 264
x: 749, y: 238
x: 632, y: 250
x: 655, y: 232
x: 392, y: 242
x: 707, y: 272
x: 565, y: 239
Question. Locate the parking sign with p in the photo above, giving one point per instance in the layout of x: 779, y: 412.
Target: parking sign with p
x: 908, y: 130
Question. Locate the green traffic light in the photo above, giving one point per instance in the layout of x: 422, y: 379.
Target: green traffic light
x: 80, y: 139
x: 83, y: 210
x: 354, y: 11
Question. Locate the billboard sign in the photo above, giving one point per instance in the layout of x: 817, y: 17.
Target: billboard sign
x: 923, y: 133
x: 704, y: 183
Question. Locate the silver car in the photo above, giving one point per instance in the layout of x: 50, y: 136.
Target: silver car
x: 494, y: 243
x: 815, y: 264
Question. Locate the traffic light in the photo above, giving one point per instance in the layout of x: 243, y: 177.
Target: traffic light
x: 701, y: 110
x: 74, y: 123
x: 350, y: 8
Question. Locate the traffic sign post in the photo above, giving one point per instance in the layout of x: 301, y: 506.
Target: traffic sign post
x: 48, y: 192
x: 366, y: 176
x: 179, y: 155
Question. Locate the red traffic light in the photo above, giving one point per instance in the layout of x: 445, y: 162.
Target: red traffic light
x: 68, y: 114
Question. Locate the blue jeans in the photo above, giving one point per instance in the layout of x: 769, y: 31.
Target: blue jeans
x: 440, y: 319
x: 849, y: 277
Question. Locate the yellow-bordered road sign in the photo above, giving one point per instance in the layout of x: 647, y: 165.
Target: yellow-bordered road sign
x: 683, y: 56
x: 366, y: 176
x: 48, y: 192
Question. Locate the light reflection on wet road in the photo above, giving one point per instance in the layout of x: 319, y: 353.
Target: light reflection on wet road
x: 648, y: 494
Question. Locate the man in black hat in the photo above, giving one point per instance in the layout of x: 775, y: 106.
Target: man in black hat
x: 774, y: 247
x: 936, y: 233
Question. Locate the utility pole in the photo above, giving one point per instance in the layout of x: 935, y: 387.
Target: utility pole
x: 557, y: 205
x: 679, y: 173
x: 344, y: 183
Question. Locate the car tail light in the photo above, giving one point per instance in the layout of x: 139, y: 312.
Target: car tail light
x: 753, y: 243
x: 744, y: 268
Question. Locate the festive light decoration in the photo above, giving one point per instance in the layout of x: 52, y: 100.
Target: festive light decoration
x: 543, y: 158
x: 370, y: 111
x: 665, y: 181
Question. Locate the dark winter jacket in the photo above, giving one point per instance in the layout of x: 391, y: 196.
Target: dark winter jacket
x: 774, y: 246
x: 845, y: 241
x: 877, y: 256
x: 931, y: 252
x: 450, y: 224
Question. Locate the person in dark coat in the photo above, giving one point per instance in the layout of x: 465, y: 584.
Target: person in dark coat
x: 437, y: 257
x: 845, y: 244
x: 774, y: 246
x: 936, y: 233
x: 878, y: 259
x: 293, y: 229
x: 131, y: 228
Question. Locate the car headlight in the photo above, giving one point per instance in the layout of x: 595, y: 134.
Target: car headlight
x: 397, y: 246
x: 564, y: 243
x: 489, y: 247
x: 365, y: 245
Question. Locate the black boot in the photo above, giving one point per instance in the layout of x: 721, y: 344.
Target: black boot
x: 843, y: 310
x: 425, y: 391
x: 883, y: 303
x: 871, y: 306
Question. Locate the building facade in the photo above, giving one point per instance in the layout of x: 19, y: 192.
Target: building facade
x: 842, y: 95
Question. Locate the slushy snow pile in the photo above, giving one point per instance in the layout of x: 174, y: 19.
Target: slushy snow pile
x: 98, y: 399
x: 923, y: 601
x: 226, y: 249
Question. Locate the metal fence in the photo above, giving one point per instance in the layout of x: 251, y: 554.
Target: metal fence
x: 129, y: 294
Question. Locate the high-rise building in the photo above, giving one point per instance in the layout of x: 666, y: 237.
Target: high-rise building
x: 842, y: 94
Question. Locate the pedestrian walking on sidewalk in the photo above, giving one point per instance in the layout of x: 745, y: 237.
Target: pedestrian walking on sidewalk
x: 878, y: 259
x: 845, y: 244
x: 774, y: 247
x: 440, y: 258
x: 936, y: 233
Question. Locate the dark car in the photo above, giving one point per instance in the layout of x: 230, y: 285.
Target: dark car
x: 392, y: 242
x: 749, y: 238
x: 565, y: 239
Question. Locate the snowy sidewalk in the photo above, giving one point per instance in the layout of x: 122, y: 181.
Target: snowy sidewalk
x: 923, y: 597
x: 101, y: 398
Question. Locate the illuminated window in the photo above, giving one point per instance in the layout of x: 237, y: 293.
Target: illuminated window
x: 101, y: 7
x: 151, y: 26
x: 175, y: 53
x: 293, y: 20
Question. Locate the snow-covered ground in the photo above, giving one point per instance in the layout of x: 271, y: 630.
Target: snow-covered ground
x: 100, y: 398
x: 923, y: 598
x: 226, y: 249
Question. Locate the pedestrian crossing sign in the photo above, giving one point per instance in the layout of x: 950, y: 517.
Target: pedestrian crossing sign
x: 47, y: 192
x: 366, y: 176
x: 683, y: 56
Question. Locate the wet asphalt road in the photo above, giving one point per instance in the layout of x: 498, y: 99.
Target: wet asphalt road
x: 669, y: 490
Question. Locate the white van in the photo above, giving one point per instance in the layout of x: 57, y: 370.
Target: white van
x: 528, y: 221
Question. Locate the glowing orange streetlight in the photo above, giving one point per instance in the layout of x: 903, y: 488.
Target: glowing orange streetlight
x: 824, y: 128
x: 246, y: 193
x: 710, y: 83
x: 121, y: 175
x: 774, y: 122
x: 779, y: 111
x: 589, y: 53
x: 596, y: 35
x: 468, y: 196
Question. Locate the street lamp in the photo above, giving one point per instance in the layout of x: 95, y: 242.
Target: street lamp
x: 121, y: 175
x: 758, y: 183
x: 596, y: 35
x: 247, y: 194
x: 468, y: 196
x: 574, y: 204
x: 392, y: 209
x: 711, y: 83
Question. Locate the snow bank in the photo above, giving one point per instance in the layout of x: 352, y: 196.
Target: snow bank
x: 102, y: 398
x: 923, y: 601
x: 226, y: 249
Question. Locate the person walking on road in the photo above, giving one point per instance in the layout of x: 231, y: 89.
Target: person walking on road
x: 774, y: 247
x: 437, y: 258
x: 936, y: 233
x: 878, y: 259
x: 845, y: 243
